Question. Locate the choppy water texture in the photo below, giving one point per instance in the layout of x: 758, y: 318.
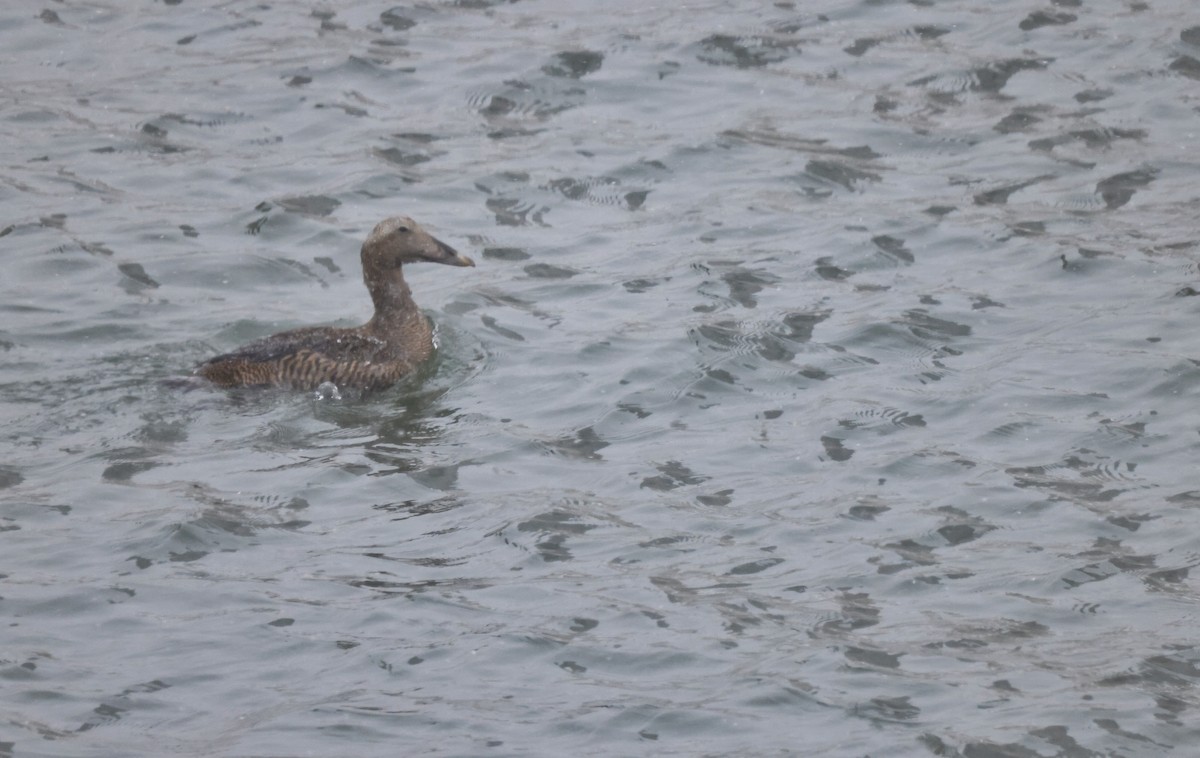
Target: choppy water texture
x: 827, y: 385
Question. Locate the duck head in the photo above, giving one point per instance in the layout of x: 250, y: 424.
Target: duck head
x: 399, y: 240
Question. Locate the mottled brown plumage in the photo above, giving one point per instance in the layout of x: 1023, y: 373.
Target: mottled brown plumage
x: 375, y: 355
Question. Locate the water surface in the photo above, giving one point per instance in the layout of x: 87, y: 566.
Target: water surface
x: 827, y: 384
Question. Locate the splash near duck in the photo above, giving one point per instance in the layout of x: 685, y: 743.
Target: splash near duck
x: 396, y: 340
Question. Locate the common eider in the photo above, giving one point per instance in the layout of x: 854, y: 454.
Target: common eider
x: 396, y: 340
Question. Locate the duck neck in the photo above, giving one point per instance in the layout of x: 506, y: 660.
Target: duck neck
x: 393, y: 300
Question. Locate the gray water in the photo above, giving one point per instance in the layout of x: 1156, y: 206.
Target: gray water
x: 827, y: 384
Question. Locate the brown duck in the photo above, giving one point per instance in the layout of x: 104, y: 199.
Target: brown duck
x: 375, y: 355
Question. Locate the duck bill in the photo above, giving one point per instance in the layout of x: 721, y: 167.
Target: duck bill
x: 443, y: 253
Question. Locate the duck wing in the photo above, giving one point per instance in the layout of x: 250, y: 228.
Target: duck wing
x: 305, y: 358
x: 338, y: 345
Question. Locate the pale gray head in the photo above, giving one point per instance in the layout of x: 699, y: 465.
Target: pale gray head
x: 399, y: 240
